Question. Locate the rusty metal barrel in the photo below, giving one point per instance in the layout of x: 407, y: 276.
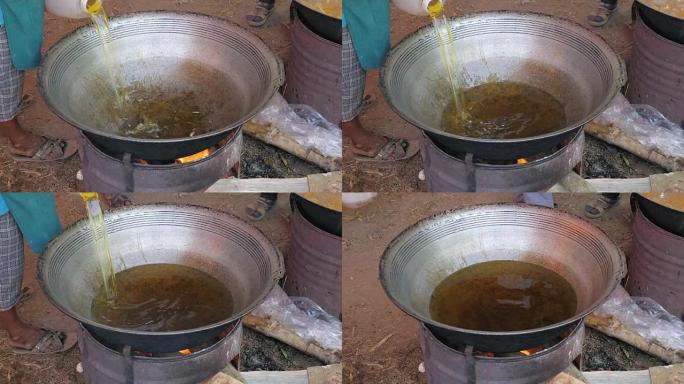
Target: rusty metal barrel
x: 314, y: 266
x: 656, y: 266
x: 656, y: 73
x: 314, y: 75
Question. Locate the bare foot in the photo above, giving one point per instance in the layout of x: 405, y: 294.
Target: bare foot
x: 363, y: 141
x: 20, y: 335
x: 22, y: 143
x: 25, y: 337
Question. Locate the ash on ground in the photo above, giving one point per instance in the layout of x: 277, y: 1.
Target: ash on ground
x: 262, y: 353
x: 262, y: 160
x: 604, y: 353
x: 603, y: 160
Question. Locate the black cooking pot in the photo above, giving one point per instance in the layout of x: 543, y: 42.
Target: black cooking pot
x: 324, y: 26
x: 665, y: 25
x: 156, y: 150
x: 666, y: 218
x: 503, y: 343
x: 167, y: 343
x: 322, y: 217
x: 501, y: 150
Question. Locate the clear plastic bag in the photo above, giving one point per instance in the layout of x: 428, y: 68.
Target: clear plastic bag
x: 301, y: 315
x: 645, y: 124
x: 304, y: 125
x: 646, y: 317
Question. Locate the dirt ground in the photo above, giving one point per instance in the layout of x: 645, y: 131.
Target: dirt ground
x: 381, y: 342
x: 379, y: 117
x: 259, y: 352
x: 259, y: 159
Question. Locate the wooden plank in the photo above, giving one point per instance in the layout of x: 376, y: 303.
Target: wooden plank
x: 283, y: 377
x: 300, y: 184
x: 621, y: 185
x: 575, y: 183
x: 617, y: 137
x: 615, y: 377
x: 319, y: 182
x: 325, y: 182
x: 564, y: 378
x: 273, y: 136
x: 329, y: 374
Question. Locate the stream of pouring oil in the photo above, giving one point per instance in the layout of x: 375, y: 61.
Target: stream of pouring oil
x: 100, y: 242
x: 101, y: 23
x: 447, y: 50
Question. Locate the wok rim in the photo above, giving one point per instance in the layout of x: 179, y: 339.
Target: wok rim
x: 277, y: 275
x: 496, y: 206
x: 619, y: 83
x: 276, y: 83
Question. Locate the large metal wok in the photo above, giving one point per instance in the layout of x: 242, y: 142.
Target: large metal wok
x: 567, y: 61
x: 214, y: 242
x: 231, y: 70
x: 423, y: 255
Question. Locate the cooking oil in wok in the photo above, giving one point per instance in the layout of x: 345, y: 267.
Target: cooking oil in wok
x: 504, y: 110
x: 447, y: 51
x: 100, y: 243
x: 101, y: 23
x: 163, y: 297
x: 156, y: 113
x: 503, y: 296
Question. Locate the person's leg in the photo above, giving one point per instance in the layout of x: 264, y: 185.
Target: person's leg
x: 11, y: 273
x: 604, y: 202
x: 264, y: 203
x: 366, y: 145
x: 262, y: 11
x: 353, y: 85
x: 11, y: 88
x: 605, y: 10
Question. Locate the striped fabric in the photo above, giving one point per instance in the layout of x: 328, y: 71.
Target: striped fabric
x: 353, y: 79
x: 11, y: 262
x: 11, y: 81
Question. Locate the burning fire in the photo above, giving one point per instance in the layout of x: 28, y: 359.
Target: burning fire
x: 185, y: 352
x: 197, y: 156
x: 531, y: 351
x: 522, y: 161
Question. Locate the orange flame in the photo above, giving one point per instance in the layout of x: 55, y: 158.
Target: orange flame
x: 531, y: 351
x: 522, y: 161
x: 185, y: 352
x: 197, y: 156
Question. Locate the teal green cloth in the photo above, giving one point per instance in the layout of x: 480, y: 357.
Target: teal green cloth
x: 369, y: 25
x: 24, y: 26
x: 36, y: 215
x: 3, y: 206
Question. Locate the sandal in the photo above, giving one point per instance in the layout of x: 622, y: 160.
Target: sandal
x: 602, y: 15
x: 51, y: 342
x: 50, y: 150
x: 262, y: 12
x: 601, y: 205
x: 393, y: 150
x: 258, y: 210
